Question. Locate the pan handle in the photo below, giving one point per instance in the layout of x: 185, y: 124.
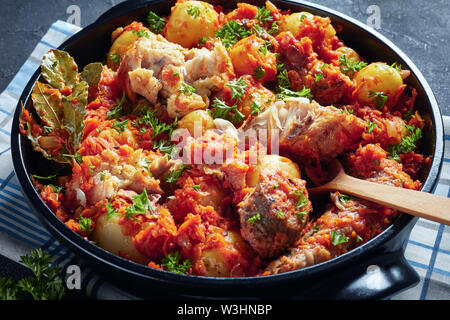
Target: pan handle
x: 379, y: 277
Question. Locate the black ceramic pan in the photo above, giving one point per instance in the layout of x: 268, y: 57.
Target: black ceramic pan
x: 375, y: 270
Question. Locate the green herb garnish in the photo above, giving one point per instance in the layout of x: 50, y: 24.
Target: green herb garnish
x: 380, y: 98
x: 338, y: 238
x: 350, y: 68
x: 237, y: 88
x: 254, y: 219
x: 46, y: 284
x: 173, y: 263
x: 155, y: 22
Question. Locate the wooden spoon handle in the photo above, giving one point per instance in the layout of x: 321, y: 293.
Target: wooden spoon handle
x: 416, y: 203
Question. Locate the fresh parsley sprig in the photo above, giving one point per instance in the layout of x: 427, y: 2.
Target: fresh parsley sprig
x: 46, y: 284
x: 172, y: 177
x: 350, y: 68
x: 231, y: 33
x: 338, y: 238
x: 380, y: 98
x: 237, y: 87
x: 223, y: 111
x: 174, y: 263
x: 155, y: 22
x: 285, y: 93
x: 408, y: 143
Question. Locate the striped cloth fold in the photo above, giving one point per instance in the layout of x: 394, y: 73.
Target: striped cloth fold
x: 427, y: 250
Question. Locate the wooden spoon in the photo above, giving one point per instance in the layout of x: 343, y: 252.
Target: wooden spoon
x: 416, y: 203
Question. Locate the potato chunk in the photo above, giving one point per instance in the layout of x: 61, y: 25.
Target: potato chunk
x: 190, y: 21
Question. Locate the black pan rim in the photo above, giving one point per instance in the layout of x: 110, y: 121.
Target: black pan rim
x: 68, y: 237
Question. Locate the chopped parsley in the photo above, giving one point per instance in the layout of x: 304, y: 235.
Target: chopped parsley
x: 263, y: 15
x: 173, y: 176
x: 120, y: 126
x: 301, y: 215
x: 144, y: 164
x: 77, y: 157
x: 56, y: 189
x: 203, y: 40
x: 110, y: 211
x: 47, y: 130
x: 286, y: 93
x: 223, y: 111
x: 141, y: 204
x: 319, y: 76
x: 275, y: 28
x: 371, y: 125
x: 196, y: 187
x: 380, y: 98
x: 358, y: 238
x: 275, y: 186
x: 280, y: 213
x: 345, y: 198
x: 316, y: 228
x: 164, y: 146
x: 397, y: 66
x: 102, y: 176
x: 408, y: 143
x: 158, y: 126
x: 155, y: 22
x: 263, y: 49
x: 237, y: 88
x: 231, y: 33
x: 255, y: 108
x: 85, y: 224
x: 350, y: 68
x: 115, y: 58
x: 302, y: 201
x: 254, y: 219
x: 187, y: 89
x: 338, y: 238
x: 142, y: 34
x: 193, y: 11
x: 282, y: 77
x: 259, y: 72
x: 349, y: 111
x: 118, y: 110
x: 173, y: 263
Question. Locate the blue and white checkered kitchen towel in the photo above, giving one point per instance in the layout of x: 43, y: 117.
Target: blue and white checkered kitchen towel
x: 428, y: 248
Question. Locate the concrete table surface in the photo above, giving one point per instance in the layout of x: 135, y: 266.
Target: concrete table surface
x: 418, y: 27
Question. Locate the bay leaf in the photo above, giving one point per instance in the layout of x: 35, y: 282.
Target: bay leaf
x: 74, y: 108
x: 59, y: 69
x: 47, y: 103
x: 36, y: 141
x: 92, y: 73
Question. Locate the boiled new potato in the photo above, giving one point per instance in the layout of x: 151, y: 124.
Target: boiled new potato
x: 257, y: 97
x: 379, y: 78
x: 213, y: 196
x: 197, y: 118
x: 215, y: 258
x: 273, y: 161
x: 119, y: 47
x: 109, y: 235
x: 350, y: 54
x: 250, y: 57
x: 294, y: 21
x: 190, y: 21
